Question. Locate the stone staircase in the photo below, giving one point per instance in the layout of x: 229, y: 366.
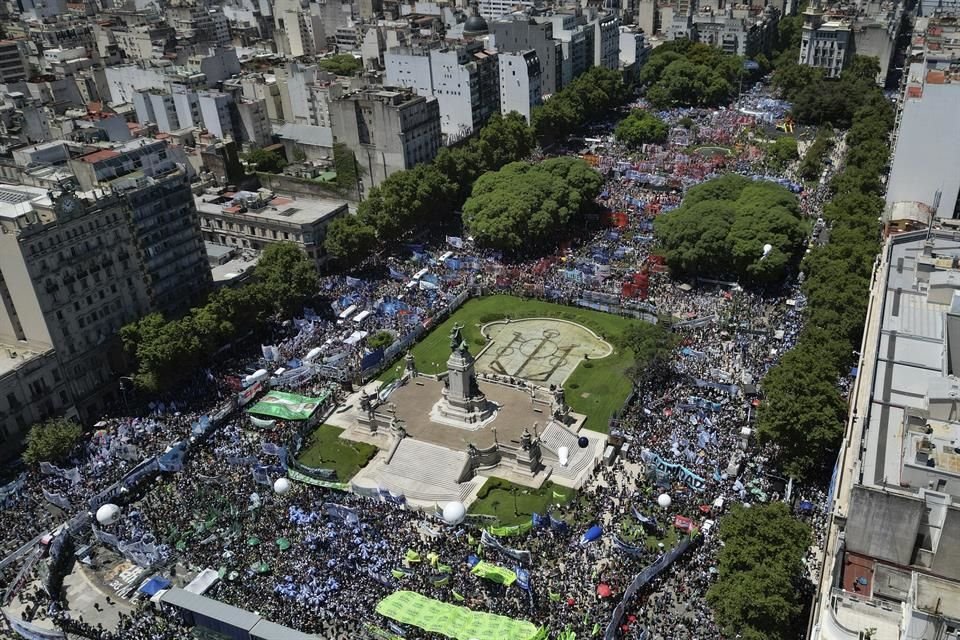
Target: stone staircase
x: 426, y: 473
x: 579, y: 461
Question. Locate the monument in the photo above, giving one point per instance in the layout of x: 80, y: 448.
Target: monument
x: 462, y: 404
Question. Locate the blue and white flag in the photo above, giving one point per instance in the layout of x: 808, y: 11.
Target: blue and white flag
x: 455, y: 242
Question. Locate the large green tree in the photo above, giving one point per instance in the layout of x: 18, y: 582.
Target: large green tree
x: 652, y: 346
x: 722, y: 228
x: 52, y: 441
x: 349, y: 241
x: 528, y: 206
x: 641, y: 127
x: 758, y: 595
x: 341, y: 64
x: 266, y: 161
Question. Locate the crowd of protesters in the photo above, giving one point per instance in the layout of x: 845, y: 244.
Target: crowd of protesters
x: 297, y: 562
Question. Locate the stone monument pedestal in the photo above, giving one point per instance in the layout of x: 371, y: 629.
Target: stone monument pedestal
x: 462, y: 404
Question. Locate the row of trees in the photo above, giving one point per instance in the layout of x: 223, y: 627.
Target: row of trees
x: 803, y: 412
x: 167, y: 350
x: 424, y: 196
x: 594, y: 92
x: 527, y: 206
x: 684, y: 73
x: 760, y: 591
x: 818, y: 100
x: 816, y: 155
x: 723, y: 226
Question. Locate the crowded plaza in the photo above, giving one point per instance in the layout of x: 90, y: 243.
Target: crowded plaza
x: 317, y: 557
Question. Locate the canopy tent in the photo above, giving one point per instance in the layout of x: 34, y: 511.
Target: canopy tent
x: 204, y: 580
x: 591, y: 534
x: 454, y: 621
x: 153, y: 585
x: 287, y: 406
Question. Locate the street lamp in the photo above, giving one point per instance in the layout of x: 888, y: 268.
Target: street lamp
x: 124, y: 381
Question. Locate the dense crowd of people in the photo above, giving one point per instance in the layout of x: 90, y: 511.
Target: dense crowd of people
x: 298, y: 561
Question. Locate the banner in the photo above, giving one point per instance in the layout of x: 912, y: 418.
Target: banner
x: 262, y: 424
x: 31, y: 631
x: 248, y: 394
x: 286, y: 406
x: 523, y: 578
x: 340, y: 512
x: 490, y: 542
x: 12, y: 488
x: 58, y: 499
x: 511, y: 530
x: 455, y: 621
x: 493, y: 573
x: 669, y: 471
x: 627, y: 548
x: 293, y: 474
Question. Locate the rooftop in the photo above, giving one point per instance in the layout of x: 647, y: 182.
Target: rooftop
x: 264, y: 204
x: 15, y: 354
x: 18, y: 200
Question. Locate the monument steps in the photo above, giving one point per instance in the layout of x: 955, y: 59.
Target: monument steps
x: 424, y: 471
x: 556, y: 436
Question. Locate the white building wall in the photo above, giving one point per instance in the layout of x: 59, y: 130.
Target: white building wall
x: 125, y: 80
x: 518, y: 91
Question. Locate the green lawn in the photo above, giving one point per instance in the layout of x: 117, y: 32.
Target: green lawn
x: 496, y: 498
x: 596, y: 396
x: 327, y: 450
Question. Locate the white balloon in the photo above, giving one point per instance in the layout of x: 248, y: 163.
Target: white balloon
x: 454, y: 512
x: 281, y: 486
x: 767, y: 248
x: 664, y: 500
x: 108, y: 514
x: 564, y: 454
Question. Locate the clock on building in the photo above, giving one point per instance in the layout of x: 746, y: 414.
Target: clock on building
x: 68, y: 204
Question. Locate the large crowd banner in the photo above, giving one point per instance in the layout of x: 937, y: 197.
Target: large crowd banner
x: 286, y: 406
x: 493, y: 573
x: 454, y: 621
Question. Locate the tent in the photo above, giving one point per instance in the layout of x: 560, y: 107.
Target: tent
x: 153, y: 585
x: 591, y: 534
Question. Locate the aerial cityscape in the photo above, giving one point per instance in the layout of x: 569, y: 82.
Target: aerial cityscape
x: 480, y: 320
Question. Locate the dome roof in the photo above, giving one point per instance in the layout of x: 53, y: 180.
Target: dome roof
x: 475, y: 25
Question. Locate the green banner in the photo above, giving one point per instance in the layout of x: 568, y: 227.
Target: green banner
x: 454, y: 621
x: 293, y: 474
x: 285, y: 406
x: 494, y: 573
x: 512, y: 530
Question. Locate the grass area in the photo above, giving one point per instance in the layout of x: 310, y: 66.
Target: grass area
x: 596, y: 396
x: 325, y: 449
x: 496, y: 498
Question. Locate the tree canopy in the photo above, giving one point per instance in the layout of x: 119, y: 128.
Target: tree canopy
x: 595, y: 91
x: 641, y: 127
x: 528, y: 206
x: 284, y: 279
x: 782, y: 151
x: 758, y: 594
x: 723, y: 224
x: 52, y: 441
x: 266, y: 161
x: 819, y: 100
x: 652, y: 346
x: 802, y: 412
x: 341, y: 64
x: 683, y: 73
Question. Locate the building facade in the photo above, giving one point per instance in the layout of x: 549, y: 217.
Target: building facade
x: 825, y: 43
x: 520, y: 88
x: 387, y: 129
x: 464, y: 79
x: 253, y: 220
